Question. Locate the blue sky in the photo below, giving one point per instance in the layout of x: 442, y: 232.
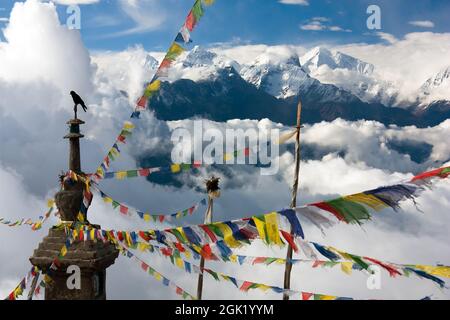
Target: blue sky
x: 106, y: 24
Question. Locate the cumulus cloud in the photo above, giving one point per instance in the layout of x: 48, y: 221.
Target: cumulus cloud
x: 395, y: 63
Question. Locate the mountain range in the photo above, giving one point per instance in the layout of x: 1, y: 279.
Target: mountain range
x: 207, y: 84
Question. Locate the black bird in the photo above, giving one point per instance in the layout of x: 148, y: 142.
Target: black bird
x: 78, y: 101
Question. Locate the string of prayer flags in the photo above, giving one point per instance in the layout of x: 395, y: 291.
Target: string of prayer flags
x: 236, y: 233
x: 35, y: 225
x: 157, y: 275
x: 173, y: 168
x: 175, y: 50
x: 182, y: 38
x: 114, y: 151
x: 129, y: 211
x: 356, y: 208
x: 242, y: 285
x: 351, y: 261
x: 22, y: 286
x: 441, y: 173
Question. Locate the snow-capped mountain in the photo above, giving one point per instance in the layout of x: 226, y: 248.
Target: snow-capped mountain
x: 436, y: 88
x: 350, y: 74
x: 284, y: 78
x: 280, y: 79
x: 200, y: 64
x: 320, y: 56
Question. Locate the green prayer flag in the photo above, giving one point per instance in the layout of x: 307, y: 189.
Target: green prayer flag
x: 132, y: 174
x: 351, y: 211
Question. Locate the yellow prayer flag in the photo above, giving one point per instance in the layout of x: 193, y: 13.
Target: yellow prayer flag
x: 208, y: 2
x: 50, y: 203
x: 228, y: 235
x: 107, y: 199
x: 179, y: 262
x: 157, y: 276
x: 142, y: 246
x: 128, y: 125
x: 121, y: 175
x: 261, y: 227
x: 273, y: 234
x: 263, y: 287
x: 233, y: 258
x: 325, y: 297
x: 347, y: 267
x: 63, y: 251
x: 80, y: 217
x: 154, y: 86
x: 175, y: 168
x: 228, y: 156
x: 367, y: 199
x: 442, y: 271
x: 92, y: 234
x: 146, y: 217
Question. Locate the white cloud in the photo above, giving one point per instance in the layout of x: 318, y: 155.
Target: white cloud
x: 295, y: 2
x: 406, y: 62
x: 422, y: 23
x: 147, y: 15
x: 321, y: 24
x: 387, y: 37
x: 69, y: 2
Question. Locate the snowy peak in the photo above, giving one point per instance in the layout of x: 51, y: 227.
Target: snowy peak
x: 199, y: 57
x: 320, y: 56
x: 281, y: 77
x: 441, y: 79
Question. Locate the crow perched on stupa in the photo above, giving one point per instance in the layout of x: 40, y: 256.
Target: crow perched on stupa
x: 78, y: 101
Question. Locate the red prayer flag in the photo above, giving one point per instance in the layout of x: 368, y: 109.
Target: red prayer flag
x: 246, y: 286
x: 144, y: 172
x: 142, y: 102
x: 210, y: 234
x: 259, y: 260
x: 123, y: 210
x: 144, y: 266
x: 306, y: 295
x: 325, y: 206
x: 166, y: 251
x: 206, y: 252
x: 180, y: 247
x: 121, y: 138
x: 144, y: 236
x: 289, y: 239
x: 247, y: 152
x: 391, y: 269
x: 197, y: 164
x: 317, y: 263
x: 428, y: 174
x: 190, y: 21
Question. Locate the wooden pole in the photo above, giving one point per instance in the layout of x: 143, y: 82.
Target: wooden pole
x: 212, y: 189
x: 288, y: 268
x: 33, y: 286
